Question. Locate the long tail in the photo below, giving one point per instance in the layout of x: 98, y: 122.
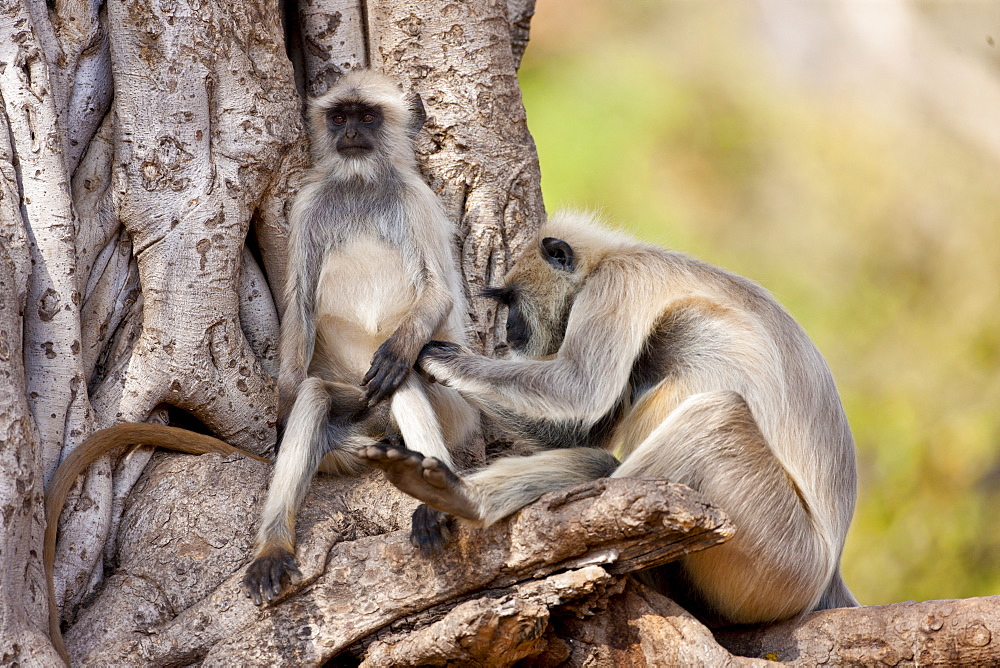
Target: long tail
x: 100, y: 442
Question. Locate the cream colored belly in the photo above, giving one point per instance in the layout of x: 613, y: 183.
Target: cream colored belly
x: 364, y: 293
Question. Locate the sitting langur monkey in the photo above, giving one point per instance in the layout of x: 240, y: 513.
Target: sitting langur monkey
x: 686, y: 372
x: 371, y: 279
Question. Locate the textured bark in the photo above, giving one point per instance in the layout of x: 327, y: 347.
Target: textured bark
x: 149, y: 152
x: 354, y: 585
x: 35, y: 98
x: 332, y: 36
x: 963, y: 632
x: 642, y: 628
x: 23, y: 640
x: 476, y: 148
x: 496, y: 630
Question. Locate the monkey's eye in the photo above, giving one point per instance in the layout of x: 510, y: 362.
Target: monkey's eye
x: 338, y: 119
x: 368, y: 118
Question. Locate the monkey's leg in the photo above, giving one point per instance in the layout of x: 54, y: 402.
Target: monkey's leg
x: 417, y: 421
x: 778, y: 563
x: 424, y: 478
x: 304, y: 444
x: 502, y: 488
x: 460, y: 422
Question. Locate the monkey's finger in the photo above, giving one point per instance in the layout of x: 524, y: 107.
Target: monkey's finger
x: 386, y: 384
x: 253, y: 581
x: 372, y: 371
x: 252, y: 593
x: 280, y: 571
x: 377, y: 378
x: 395, y: 379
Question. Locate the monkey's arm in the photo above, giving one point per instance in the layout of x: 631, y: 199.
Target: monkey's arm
x: 308, y: 243
x: 396, y: 356
x: 295, y: 349
x: 606, y: 330
x: 99, y: 443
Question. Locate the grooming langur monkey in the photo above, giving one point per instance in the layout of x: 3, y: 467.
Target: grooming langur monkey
x: 371, y: 280
x: 685, y: 372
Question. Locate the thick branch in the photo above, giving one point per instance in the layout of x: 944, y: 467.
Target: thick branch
x: 355, y: 588
x: 640, y: 627
x: 963, y: 632
x: 495, y: 630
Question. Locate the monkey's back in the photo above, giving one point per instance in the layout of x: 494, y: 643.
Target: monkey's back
x: 717, y: 331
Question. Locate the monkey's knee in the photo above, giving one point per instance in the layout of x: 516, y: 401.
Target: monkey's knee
x: 707, y: 435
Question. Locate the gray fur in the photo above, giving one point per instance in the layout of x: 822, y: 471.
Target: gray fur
x: 684, y: 371
x: 372, y: 278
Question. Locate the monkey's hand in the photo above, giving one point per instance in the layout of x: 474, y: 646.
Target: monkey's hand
x: 390, y: 367
x: 433, y: 358
x: 265, y: 574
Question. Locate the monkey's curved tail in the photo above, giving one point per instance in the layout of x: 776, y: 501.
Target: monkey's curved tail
x: 100, y: 442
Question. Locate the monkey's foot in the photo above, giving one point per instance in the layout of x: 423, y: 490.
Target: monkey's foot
x: 424, y: 478
x: 266, y: 573
x: 430, y: 529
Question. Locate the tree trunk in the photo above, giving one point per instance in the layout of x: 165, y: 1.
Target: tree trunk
x: 148, y: 156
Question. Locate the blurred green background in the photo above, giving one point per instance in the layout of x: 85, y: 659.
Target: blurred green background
x: 847, y: 157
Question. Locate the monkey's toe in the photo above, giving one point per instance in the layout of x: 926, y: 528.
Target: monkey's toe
x: 424, y: 478
x: 437, y: 474
x: 265, y: 575
x: 390, y: 455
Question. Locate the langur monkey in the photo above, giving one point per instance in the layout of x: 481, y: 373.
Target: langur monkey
x: 371, y: 279
x: 682, y: 370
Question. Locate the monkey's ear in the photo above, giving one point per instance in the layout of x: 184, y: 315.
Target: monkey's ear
x: 558, y: 253
x: 418, y: 115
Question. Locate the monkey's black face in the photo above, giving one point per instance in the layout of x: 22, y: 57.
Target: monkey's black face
x: 354, y: 126
x: 518, y: 330
x: 539, y: 292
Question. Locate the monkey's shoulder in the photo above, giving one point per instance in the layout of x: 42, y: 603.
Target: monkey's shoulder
x: 677, y: 283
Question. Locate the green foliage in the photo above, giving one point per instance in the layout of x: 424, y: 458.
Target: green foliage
x: 871, y: 223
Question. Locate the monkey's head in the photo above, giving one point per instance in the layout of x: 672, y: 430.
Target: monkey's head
x: 362, y: 121
x: 540, y: 289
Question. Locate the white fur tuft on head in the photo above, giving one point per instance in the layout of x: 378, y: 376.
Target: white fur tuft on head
x: 585, y: 228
